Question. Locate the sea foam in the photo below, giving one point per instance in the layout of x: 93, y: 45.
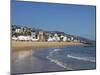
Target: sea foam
x: 91, y: 59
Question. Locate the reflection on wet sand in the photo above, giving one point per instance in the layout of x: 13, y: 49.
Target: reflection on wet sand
x: 18, y: 55
x: 25, y: 62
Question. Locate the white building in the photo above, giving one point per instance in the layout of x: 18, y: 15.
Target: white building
x: 14, y: 38
x: 50, y: 39
x: 18, y: 30
x: 72, y: 38
x: 68, y: 39
x: 54, y: 38
x: 34, y: 36
x: 75, y: 40
x: 24, y: 38
x: 65, y: 38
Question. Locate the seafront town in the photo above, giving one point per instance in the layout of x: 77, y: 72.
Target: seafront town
x: 30, y: 38
x: 20, y: 33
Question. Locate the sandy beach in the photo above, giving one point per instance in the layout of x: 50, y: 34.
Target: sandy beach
x: 21, y: 45
x: 26, y: 58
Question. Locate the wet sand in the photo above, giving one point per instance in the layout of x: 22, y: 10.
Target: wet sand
x: 26, y: 62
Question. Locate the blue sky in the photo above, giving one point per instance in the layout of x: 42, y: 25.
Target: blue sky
x: 72, y: 19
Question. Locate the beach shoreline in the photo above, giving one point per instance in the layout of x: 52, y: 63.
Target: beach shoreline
x: 26, y: 45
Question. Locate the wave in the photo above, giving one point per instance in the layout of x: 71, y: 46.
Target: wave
x: 91, y: 59
x: 56, y: 50
x: 59, y: 63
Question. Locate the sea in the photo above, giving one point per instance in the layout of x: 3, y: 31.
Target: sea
x: 65, y: 58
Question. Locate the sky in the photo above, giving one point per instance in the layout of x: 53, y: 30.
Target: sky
x: 72, y: 19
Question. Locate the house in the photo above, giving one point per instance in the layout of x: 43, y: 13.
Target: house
x: 24, y: 38
x: 71, y: 38
x: 75, y: 40
x: 55, y: 37
x: 14, y: 38
x: 65, y: 38
x: 68, y: 39
x: 18, y: 30
x: 50, y: 39
x: 34, y: 36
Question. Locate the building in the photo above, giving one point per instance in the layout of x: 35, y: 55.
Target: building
x: 18, y: 30
x: 41, y: 36
x: 65, y: 38
x: 34, y: 36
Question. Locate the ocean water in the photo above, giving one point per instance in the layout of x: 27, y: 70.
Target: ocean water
x: 54, y: 59
x: 71, y: 57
